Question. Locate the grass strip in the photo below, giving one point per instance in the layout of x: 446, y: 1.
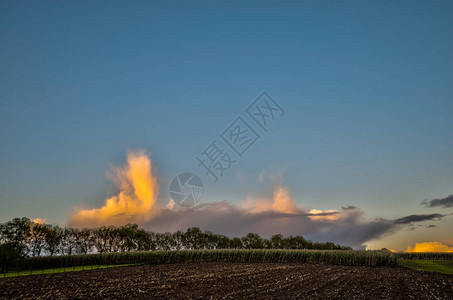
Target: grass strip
x: 440, y: 266
x: 59, y: 270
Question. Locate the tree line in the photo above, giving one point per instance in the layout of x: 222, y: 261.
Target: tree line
x: 21, y: 237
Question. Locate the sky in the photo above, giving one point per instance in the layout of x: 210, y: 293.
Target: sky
x: 100, y: 100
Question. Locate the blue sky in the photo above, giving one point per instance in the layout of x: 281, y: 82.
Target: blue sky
x: 366, y: 86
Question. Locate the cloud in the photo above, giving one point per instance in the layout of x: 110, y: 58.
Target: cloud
x: 324, y: 215
x: 348, y: 207
x: 418, y: 218
x: 350, y: 228
x: 260, y: 178
x: 275, y: 213
x: 353, y: 229
x: 241, y: 176
x: 135, y: 202
x: 430, y: 247
x: 281, y: 202
x: 39, y: 221
x: 442, y: 202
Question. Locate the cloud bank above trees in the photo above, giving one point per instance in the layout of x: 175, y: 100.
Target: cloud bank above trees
x: 136, y: 202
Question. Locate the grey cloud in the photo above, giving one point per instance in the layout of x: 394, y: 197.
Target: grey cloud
x: 351, y: 229
x: 348, y: 207
x: 355, y: 233
x: 418, y: 218
x: 442, y: 202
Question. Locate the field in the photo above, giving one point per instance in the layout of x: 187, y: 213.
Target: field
x: 234, y: 274
x: 234, y: 281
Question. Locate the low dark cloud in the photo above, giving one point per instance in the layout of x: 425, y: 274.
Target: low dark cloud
x: 348, y: 207
x: 351, y: 228
x: 442, y: 202
x: 418, y: 218
x: 355, y: 233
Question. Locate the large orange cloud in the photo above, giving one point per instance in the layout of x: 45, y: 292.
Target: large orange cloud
x: 430, y: 247
x: 135, y: 202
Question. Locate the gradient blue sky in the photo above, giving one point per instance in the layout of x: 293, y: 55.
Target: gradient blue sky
x: 367, y: 87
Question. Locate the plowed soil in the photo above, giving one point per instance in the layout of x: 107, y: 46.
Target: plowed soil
x: 233, y: 281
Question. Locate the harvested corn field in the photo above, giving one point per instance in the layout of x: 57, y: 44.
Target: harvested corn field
x: 234, y: 280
